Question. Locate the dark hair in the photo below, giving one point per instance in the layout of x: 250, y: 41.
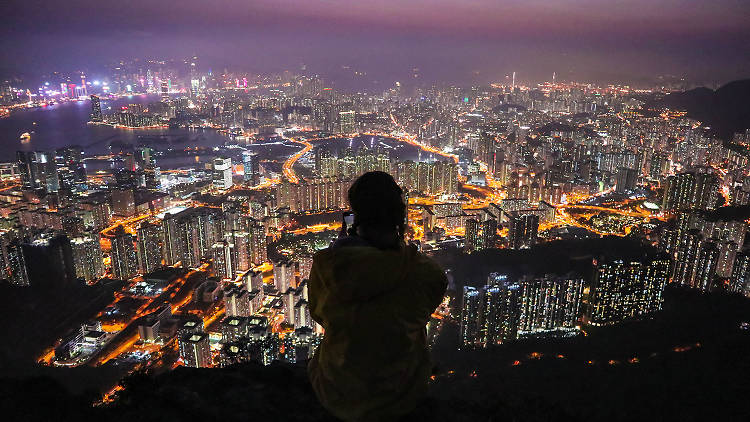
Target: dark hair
x: 377, y: 203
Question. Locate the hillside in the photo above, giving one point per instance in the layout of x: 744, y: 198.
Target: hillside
x: 690, y: 363
x: 726, y: 110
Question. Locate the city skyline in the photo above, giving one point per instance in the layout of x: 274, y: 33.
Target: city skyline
x: 449, y: 42
x: 193, y: 197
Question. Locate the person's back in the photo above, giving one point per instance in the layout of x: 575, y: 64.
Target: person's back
x: 373, y: 295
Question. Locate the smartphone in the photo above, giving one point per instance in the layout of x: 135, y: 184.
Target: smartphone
x: 348, y: 218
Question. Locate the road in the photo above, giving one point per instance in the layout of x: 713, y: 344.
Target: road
x: 288, y: 167
x: 175, y: 294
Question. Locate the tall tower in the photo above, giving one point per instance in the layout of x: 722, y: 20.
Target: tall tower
x: 165, y: 90
x: 222, y: 252
x: 523, y: 230
x: 123, y: 255
x: 222, y: 173
x: 251, y: 164
x: 148, y: 248
x: 87, y: 257
x: 96, y: 109
x: 84, y: 89
x: 194, y: 350
x: 17, y: 270
x: 470, y: 310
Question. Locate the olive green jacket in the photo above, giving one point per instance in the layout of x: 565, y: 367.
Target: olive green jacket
x: 373, y: 363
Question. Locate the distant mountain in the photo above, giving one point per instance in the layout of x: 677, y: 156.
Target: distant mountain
x: 726, y: 110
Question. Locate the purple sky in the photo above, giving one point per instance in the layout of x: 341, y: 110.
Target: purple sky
x: 451, y: 41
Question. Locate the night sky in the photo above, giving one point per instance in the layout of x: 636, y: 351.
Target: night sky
x: 451, y: 41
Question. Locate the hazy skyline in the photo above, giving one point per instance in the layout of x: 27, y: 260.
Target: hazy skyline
x: 474, y: 40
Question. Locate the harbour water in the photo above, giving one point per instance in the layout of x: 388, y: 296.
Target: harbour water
x: 64, y: 124
x: 60, y: 125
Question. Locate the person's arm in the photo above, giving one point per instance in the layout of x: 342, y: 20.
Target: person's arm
x: 315, y: 292
x: 432, y: 288
x: 436, y: 290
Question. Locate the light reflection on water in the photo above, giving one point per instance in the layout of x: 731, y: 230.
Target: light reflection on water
x: 60, y: 125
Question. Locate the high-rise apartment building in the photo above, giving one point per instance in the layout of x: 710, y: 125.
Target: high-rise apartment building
x: 550, y: 303
x: 237, y: 302
x: 623, y: 290
x: 691, y: 190
x: 148, y: 247
x: 87, y: 257
x: 251, y: 165
x: 523, y: 230
x: 38, y: 170
x: 195, y: 351
x: 70, y: 169
x: 471, y: 307
x: 96, y: 109
x: 258, y: 247
x: 490, y: 315
x: 123, y: 255
x: 739, y: 282
x: 222, y: 252
x: 283, y: 275
x: 347, y: 122
x: 222, y: 173
x: 16, y: 271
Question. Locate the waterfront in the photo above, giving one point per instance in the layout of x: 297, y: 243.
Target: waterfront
x: 64, y: 124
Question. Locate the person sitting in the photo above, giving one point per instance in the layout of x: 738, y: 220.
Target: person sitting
x: 373, y: 295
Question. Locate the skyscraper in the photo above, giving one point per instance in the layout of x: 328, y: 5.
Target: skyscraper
x: 705, y: 266
x: 223, y: 263
x: 237, y: 302
x: 38, y: 170
x: 489, y: 233
x: 87, y: 257
x: 626, y: 179
x: 17, y: 271
x: 148, y: 172
x: 70, y: 168
x: 164, y: 90
x: 123, y: 256
x: 550, y: 303
x: 522, y: 230
x: 96, y: 109
x: 347, y: 123
x: 148, y: 247
x: 472, y: 237
x: 258, y: 247
x: 500, y: 310
x: 627, y: 289
x: 251, y: 164
x: 739, y: 282
x: 283, y: 275
x: 222, y: 169
x: 686, y: 257
x: 195, y: 351
x: 471, y: 307
x: 490, y: 315
x: 691, y: 190
x: 242, y: 250
x: 49, y: 260
x: 172, y: 248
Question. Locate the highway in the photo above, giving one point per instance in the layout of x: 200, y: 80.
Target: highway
x: 288, y: 167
